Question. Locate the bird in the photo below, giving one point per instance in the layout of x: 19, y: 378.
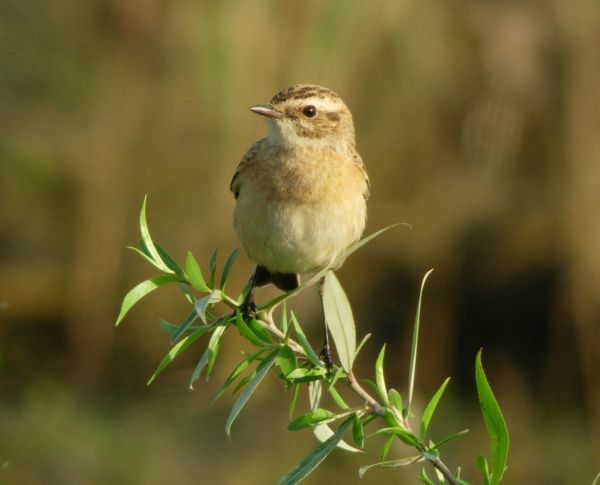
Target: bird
x: 301, y: 191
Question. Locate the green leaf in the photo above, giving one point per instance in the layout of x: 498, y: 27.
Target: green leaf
x: 303, y: 374
x: 361, y: 345
x: 260, y: 331
x: 483, y: 466
x: 287, y: 360
x: 424, y: 478
x: 415, y: 344
x: 359, y: 244
x: 322, y: 431
x: 402, y: 433
x: 380, y: 379
x: 284, y: 319
x: 395, y: 400
x: 340, y: 320
x: 194, y: 273
x: 449, y: 438
x: 308, y: 464
x: 389, y: 464
x: 227, y: 268
x: 214, y: 344
x: 319, y: 276
x: 494, y: 421
x: 358, y: 432
x: 201, y: 304
x: 386, y: 447
x: 295, y: 392
x: 148, y: 241
x: 596, y: 480
x: 241, y: 367
x: 199, y: 368
x: 169, y: 261
x: 142, y: 289
x: 337, y: 398
x: 430, y: 408
x: 310, y: 353
x: 178, y: 349
x: 246, y: 331
x: 185, y: 325
x: 145, y: 255
x: 309, y: 419
x: 253, y: 384
x: 213, y: 267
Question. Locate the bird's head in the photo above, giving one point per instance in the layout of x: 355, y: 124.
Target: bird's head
x: 308, y: 115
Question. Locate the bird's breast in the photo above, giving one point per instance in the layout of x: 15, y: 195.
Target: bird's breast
x: 296, y: 216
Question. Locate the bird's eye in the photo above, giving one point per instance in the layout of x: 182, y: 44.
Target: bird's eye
x: 309, y: 111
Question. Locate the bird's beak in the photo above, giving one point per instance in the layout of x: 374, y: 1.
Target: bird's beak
x: 266, y: 110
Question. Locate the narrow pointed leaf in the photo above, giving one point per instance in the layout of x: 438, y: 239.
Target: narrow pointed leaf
x: 358, y: 432
x: 287, y: 360
x: 395, y: 400
x: 314, y: 417
x: 185, y: 325
x: 252, y: 385
x: 415, y: 344
x: 201, y: 304
x: 310, y: 353
x: 260, y: 331
x: 430, y: 408
x: 450, y: 438
x: 213, y: 267
x: 227, y: 268
x: 317, y: 277
x: 390, y: 464
x: 142, y: 289
x: 340, y: 320
x: 146, y: 256
x: 246, y: 331
x: 214, y: 345
x: 294, y: 401
x: 361, y: 345
x: 308, y: 464
x: 178, y: 349
x: 241, y: 367
x: 169, y: 261
x: 194, y: 273
x: 424, y: 478
x: 337, y: 398
x: 322, y: 431
x: 494, y: 421
x: 199, y: 368
x: 148, y: 241
x: 386, y: 447
x: 357, y: 245
x: 483, y: 466
x: 380, y: 379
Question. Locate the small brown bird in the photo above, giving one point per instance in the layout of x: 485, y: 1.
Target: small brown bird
x: 301, y: 192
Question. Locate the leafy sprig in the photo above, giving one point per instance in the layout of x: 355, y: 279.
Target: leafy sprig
x: 281, y: 345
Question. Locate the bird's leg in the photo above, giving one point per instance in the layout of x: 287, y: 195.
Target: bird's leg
x: 248, y: 307
x: 325, y: 353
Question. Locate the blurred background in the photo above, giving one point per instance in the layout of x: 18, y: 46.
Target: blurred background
x: 479, y: 123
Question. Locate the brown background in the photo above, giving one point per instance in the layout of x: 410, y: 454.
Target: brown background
x: 479, y: 123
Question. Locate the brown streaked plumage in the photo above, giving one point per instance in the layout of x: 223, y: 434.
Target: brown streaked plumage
x: 301, y: 191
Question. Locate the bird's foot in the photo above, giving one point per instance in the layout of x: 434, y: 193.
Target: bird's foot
x: 248, y: 307
x: 325, y: 354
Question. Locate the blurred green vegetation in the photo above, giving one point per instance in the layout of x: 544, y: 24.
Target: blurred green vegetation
x: 478, y: 122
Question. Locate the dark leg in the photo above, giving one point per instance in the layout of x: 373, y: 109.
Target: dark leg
x: 260, y: 277
x: 325, y: 353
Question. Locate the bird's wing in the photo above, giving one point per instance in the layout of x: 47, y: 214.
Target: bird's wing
x: 246, y: 161
x: 359, y: 162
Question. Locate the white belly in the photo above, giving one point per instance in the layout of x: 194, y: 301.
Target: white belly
x: 298, y: 237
